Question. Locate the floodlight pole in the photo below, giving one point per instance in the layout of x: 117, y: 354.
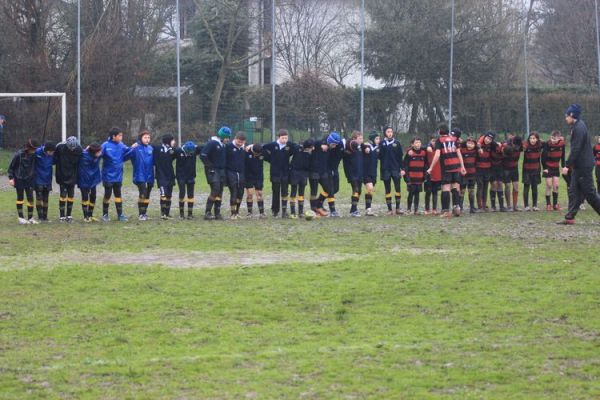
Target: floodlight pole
x: 178, y: 45
x: 597, y: 41
x: 273, y: 69
x: 526, y: 39
x: 79, y: 71
x: 450, y: 82
x: 362, y: 66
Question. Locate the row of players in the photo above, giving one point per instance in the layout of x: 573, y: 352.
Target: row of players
x: 481, y: 166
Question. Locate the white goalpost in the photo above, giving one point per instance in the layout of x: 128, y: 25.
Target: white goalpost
x: 63, y: 107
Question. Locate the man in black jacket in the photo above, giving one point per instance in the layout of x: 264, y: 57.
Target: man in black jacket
x: 580, y: 164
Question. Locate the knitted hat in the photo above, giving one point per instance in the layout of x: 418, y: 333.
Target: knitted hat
x: 72, y: 142
x: 334, y: 138
x: 224, y: 132
x: 189, y: 147
x: 574, y: 110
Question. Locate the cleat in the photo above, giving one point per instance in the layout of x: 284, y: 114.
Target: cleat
x: 218, y: 217
x: 516, y: 209
x: 143, y: 217
x: 370, y: 213
x: 208, y: 216
x: 472, y: 211
x: 190, y: 217
x: 23, y: 221
x: 399, y: 211
x: 389, y: 213
x: 69, y: 219
x: 456, y: 211
x: 355, y: 214
x: 566, y: 222
x: 233, y: 217
x: 527, y: 209
x: 93, y: 219
x: 556, y: 207
x: 503, y: 209
x: 334, y: 214
x: 262, y: 216
x: 105, y: 218
x: 293, y: 216
x: 123, y: 218
x: 32, y: 221
x: 285, y: 215
x: 548, y: 207
x: 275, y: 214
x: 87, y: 220
x: 62, y: 219
x: 535, y: 208
x: 249, y: 216
x: 446, y: 214
x: 321, y: 212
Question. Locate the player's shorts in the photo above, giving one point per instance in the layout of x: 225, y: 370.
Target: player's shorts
x: 552, y: 172
x: 532, y: 178
x: 511, y: 175
x: 451, y: 177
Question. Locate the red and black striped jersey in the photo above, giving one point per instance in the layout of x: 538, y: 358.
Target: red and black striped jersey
x: 553, y: 154
x: 484, y: 155
x: 511, y: 159
x: 416, y: 162
x: 469, y: 161
x: 597, y: 154
x: 531, y: 158
x: 448, y: 153
x: 496, y: 156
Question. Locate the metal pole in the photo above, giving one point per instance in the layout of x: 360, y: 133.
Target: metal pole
x: 597, y: 42
x: 273, y: 69
x: 64, y: 117
x: 79, y: 70
x: 450, y: 83
x: 526, y: 74
x: 362, y: 67
x: 178, y: 36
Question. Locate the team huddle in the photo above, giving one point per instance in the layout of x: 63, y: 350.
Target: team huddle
x: 479, y: 168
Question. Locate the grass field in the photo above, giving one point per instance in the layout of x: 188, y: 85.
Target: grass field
x: 494, y: 306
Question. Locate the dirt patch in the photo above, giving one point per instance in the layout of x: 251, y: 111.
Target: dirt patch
x: 190, y: 259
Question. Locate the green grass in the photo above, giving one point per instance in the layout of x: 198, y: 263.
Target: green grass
x: 492, y: 306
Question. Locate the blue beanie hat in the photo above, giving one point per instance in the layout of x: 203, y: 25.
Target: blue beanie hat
x: 334, y: 138
x: 574, y: 110
x: 224, y: 132
x: 189, y: 147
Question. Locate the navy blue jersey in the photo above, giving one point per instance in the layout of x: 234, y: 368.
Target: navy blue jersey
x: 391, y: 156
x: 213, y: 154
x: 371, y: 159
x: 301, y: 161
x: 254, y: 167
x: 279, y: 158
x: 163, y: 165
x: 235, y: 158
x: 319, y: 160
x: 185, y: 166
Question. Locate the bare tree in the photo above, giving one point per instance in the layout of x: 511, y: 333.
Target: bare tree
x: 317, y: 38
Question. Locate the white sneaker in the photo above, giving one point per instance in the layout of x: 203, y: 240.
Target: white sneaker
x: 32, y: 221
x: 23, y: 221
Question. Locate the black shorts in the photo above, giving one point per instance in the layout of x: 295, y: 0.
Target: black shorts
x: 433, y: 186
x: 282, y: 179
x: 23, y: 184
x: 112, y: 185
x: 335, y: 182
x: 467, y: 182
x: 235, y: 179
x: 387, y: 175
x: 215, y: 176
x: 483, y: 176
x: 496, y: 174
x: 415, y: 187
x: 451, y: 177
x: 370, y: 179
x: 552, y: 172
x: 41, y: 188
x: 511, y: 175
x: 255, y: 182
x: 298, y: 177
x: 532, y: 178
